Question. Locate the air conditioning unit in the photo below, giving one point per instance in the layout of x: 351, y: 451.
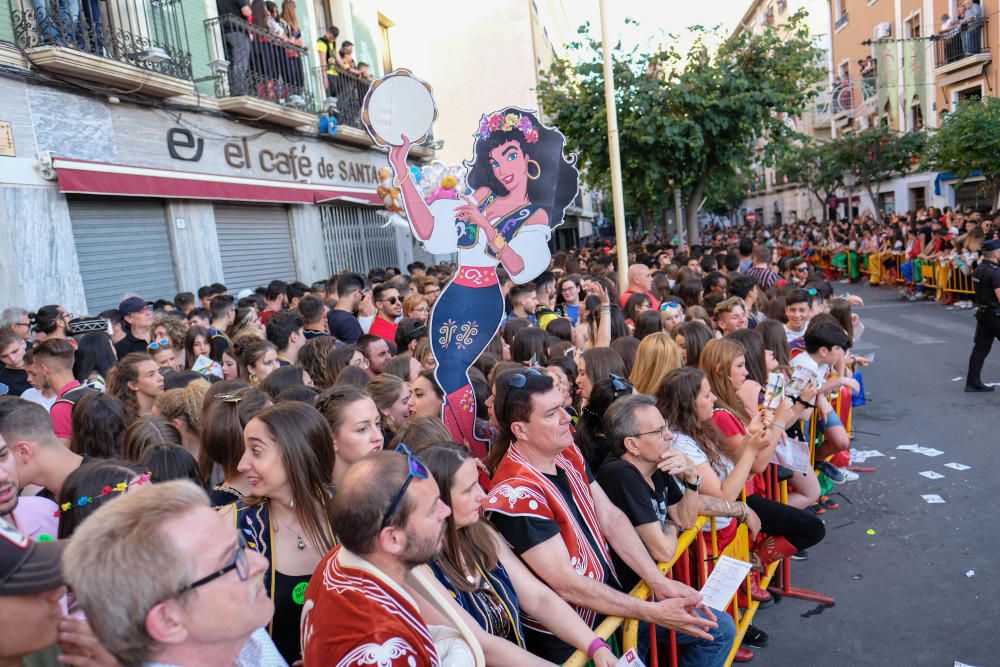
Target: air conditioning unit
x: 883, y: 30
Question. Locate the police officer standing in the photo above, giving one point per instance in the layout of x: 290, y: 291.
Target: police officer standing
x: 987, y: 281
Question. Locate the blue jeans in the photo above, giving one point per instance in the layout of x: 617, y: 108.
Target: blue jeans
x: 699, y: 652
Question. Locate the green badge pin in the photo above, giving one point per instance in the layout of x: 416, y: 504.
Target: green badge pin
x: 46, y: 538
x: 299, y: 592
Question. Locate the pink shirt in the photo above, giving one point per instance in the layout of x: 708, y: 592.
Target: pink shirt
x: 36, y: 517
x: 62, y: 413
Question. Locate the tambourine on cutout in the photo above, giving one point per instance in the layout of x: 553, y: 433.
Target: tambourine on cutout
x: 399, y: 104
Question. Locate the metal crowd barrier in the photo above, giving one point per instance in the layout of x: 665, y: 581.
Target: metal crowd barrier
x: 896, y: 268
x: 692, y: 567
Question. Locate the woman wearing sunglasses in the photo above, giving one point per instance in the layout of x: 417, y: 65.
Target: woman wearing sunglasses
x: 288, y: 462
x: 486, y: 578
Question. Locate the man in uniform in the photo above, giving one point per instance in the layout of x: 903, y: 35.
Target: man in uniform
x: 987, y: 281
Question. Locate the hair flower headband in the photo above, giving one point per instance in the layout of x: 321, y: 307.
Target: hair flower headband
x: 120, y: 487
x: 507, y: 123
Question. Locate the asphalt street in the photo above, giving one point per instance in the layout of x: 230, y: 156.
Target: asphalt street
x: 924, y: 587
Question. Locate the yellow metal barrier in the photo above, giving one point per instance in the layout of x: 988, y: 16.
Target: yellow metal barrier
x: 611, y: 623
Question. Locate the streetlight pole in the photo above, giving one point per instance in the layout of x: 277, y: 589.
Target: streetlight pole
x: 617, y: 200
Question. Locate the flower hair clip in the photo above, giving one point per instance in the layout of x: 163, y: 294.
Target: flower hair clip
x: 229, y: 398
x: 507, y: 123
x: 120, y: 487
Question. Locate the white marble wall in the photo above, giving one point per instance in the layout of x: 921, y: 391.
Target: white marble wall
x: 307, y: 243
x: 38, y: 263
x: 195, y: 241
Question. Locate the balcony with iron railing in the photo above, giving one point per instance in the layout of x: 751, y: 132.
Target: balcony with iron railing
x: 963, y: 45
x: 132, y: 45
x: 840, y: 22
x: 260, y: 75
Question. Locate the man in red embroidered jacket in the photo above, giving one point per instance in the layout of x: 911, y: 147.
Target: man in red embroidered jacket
x: 356, y: 610
x: 549, y: 508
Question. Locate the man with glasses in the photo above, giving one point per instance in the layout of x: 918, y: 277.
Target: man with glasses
x: 390, y: 519
x: 643, y: 478
x: 388, y: 309
x: 137, y: 318
x: 548, y: 506
x: 17, y: 319
x: 165, y: 580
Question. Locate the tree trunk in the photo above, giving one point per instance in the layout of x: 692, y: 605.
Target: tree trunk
x: 691, y: 211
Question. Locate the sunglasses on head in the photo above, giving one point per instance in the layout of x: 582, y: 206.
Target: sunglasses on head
x: 518, y: 380
x: 669, y: 304
x: 416, y: 469
x: 159, y: 345
x: 812, y: 291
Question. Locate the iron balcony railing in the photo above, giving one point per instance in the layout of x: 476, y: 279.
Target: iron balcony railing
x: 343, y: 92
x: 962, y: 41
x: 250, y: 60
x: 143, y: 33
x: 840, y: 22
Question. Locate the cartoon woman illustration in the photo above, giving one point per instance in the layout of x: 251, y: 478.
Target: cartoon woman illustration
x: 522, y: 185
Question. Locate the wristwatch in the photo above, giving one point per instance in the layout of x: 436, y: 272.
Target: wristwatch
x: 693, y: 486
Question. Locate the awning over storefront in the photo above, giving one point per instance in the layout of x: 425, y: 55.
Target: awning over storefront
x: 104, y: 178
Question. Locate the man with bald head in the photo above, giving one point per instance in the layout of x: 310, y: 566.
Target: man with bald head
x: 390, y: 519
x: 640, y: 281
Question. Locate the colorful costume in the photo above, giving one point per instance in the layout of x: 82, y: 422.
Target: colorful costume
x: 470, y: 309
x: 521, y: 491
x: 354, y: 614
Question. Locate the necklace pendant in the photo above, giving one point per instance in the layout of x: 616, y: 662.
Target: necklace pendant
x: 302, y: 543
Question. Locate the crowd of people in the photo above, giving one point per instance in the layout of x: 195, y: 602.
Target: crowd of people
x: 274, y: 482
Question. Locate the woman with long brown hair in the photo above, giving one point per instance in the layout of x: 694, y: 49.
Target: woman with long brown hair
x: 288, y: 462
x: 485, y: 577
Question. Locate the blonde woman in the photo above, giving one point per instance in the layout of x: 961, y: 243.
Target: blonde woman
x: 416, y: 306
x: 658, y: 355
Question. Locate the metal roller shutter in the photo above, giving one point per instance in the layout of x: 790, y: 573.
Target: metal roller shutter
x: 122, y: 246
x: 357, y: 238
x: 256, y: 245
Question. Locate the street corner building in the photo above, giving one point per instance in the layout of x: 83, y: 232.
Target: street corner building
x: 142, y: 150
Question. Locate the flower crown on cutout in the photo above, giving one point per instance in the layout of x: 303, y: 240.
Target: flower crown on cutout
x: 120, y: 487
x: 507, y: 123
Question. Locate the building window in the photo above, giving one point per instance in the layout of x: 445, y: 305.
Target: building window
x: 911, y: 27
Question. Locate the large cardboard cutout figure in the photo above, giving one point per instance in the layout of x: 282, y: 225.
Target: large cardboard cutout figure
x: 521, y: 184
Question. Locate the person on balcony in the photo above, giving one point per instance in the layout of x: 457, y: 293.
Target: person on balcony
x: 290, y: 23
x: 232, y: 17
x: 972, y: 27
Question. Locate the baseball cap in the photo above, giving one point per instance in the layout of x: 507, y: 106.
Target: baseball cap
x: 28, y: 567
x: 133, y: 304
x: 244, y: 293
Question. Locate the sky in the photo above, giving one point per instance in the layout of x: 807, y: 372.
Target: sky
x: 658, y: 17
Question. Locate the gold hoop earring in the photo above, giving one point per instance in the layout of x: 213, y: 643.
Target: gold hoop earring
x: 253, y: 379
x: 537, y: 166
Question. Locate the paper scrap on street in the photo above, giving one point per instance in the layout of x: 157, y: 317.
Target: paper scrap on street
x: 962, y: 664
x: 862, y: 455
x: 929, y: 451
x: 630, y: 659
x: 970, y: 573
x: 930, y: 474
x: 956, y: 466
x: 911, y: 448
x: 932, y: 498
x: 724, y: 581
x: 956, y: 379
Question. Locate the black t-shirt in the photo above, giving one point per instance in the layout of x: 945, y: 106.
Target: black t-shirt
x: 628, y: 490
x: 130, y: 344
x: 344, y: 326
x: 232, y: 7
x: 16, y: 380
x: 522, y: 533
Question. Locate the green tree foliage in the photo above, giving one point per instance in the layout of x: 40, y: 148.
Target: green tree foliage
x: 683, y: 120
x: 879, y: 154
x: 818, y: 166
x: 968, y: 141
x: 726, y: 191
